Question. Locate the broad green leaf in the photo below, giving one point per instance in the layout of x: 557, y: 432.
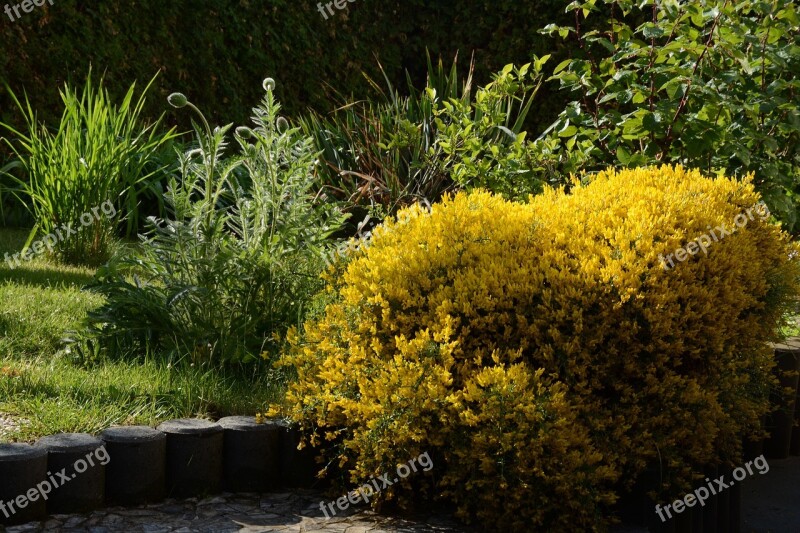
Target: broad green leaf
x: 623, y: 155
x: 569, y: 131
x: 652, y: 31
x: 561, y: 66
x: 649, y: 121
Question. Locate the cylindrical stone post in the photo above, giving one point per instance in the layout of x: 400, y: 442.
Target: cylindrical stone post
x: 724, y: 500
x: 781, y: 420
x: 76, y: 465
x: 684, y: 521
x: 23, y: 469
x: 735, y: 525
x: 299, y: 468
x: 251, y: 454
x: 697, y: 519
x: 711, y: 508
x: 795, y: 448
x: 753, y: 448
x: 194, y: 457
x: 137, y: 470
x: 642, y: 508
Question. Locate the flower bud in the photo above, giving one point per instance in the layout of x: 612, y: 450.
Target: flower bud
x: 269, y: 84
x: 282, y: 124
x: 177, y: 100
x: 244, y: 132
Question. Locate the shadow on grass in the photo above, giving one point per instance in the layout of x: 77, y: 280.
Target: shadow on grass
x: 39, y: 271
x: 44, y: 276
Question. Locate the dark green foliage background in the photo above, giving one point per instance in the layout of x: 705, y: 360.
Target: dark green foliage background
x: 218, y: 51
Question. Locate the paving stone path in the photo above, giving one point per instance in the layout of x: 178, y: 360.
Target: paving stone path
x: 286, y: 512
x: 770, y: 506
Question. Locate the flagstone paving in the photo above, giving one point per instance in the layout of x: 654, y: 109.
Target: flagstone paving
x: 769, y: 505
x: 285, y: 512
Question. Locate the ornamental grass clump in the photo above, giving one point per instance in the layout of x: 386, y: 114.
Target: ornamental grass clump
x: 99, y: 152
x: 542, y: 352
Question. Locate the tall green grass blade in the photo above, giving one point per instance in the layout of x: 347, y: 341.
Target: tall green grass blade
x: 98, y: 153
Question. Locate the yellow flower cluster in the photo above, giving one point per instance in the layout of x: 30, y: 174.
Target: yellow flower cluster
x: 540, y: 350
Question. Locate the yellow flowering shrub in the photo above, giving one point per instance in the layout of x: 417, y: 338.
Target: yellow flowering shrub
x: 519, y: 458
x: 671, y: 359
x: 541, y: 351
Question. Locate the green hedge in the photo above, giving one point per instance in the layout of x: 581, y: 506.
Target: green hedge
x: 218, y: 51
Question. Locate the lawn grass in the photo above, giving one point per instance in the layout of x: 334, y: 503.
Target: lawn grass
x: 46, y: 389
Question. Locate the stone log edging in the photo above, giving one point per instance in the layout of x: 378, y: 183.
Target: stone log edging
x: 251, y: 454
x: 130, y: 465
x: 194, y: 457
x: 137, y: 473
x: 77, y: 479
x: 783, y: 436
x: 21, y: 467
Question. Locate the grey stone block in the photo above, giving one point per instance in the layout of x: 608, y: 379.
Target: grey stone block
x: 136, y: 473
x: 194, y: 457
x: 251, y: 454
x: 299, y: 468
x: 76, y: 463
x: 22, y: 468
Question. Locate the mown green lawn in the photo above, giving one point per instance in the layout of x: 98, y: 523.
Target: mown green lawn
x: 47, y: 389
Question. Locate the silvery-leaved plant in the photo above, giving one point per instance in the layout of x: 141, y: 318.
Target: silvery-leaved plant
x: 233, y: 265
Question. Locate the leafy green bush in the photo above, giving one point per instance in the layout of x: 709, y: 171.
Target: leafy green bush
x: 407, y: 149
x: 238, y: 258
x: 98, y: 154
x: 481, y: 143
x: 710, y: 84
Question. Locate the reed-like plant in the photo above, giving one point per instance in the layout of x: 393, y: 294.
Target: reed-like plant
x: 373, y: 151
x: 99, y: 152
